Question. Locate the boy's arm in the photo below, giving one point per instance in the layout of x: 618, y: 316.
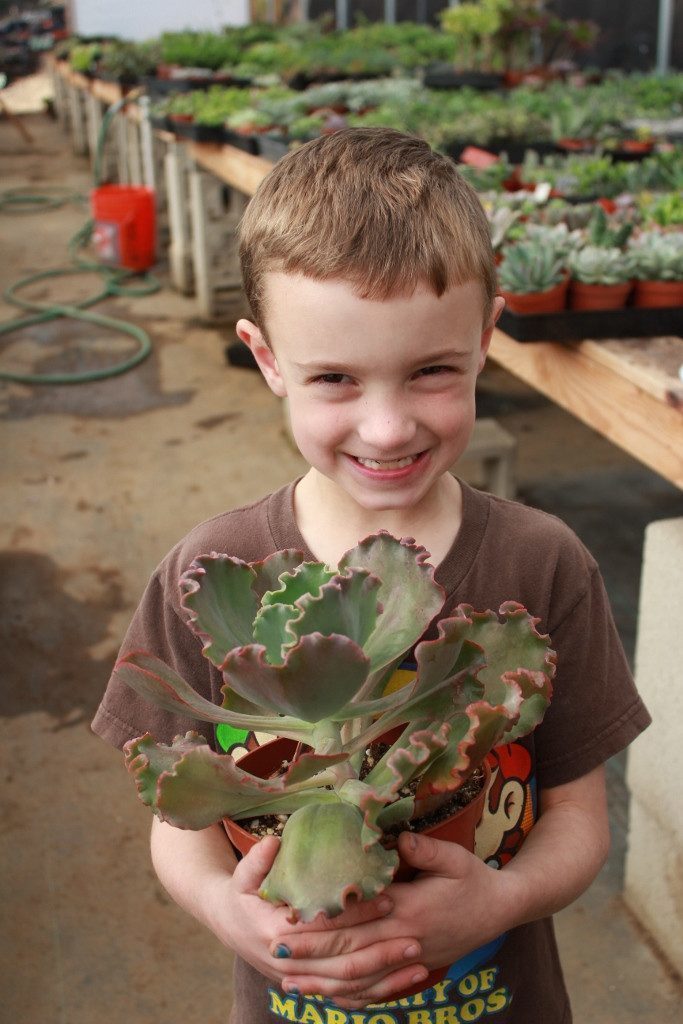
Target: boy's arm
x: 458, y: 903
x: 200, y: 871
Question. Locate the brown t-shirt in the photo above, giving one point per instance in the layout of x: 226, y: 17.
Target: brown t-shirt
x: 503, y: 551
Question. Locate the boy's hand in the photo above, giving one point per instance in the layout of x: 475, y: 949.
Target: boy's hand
x: 456, y: 904
x: 261, y: 934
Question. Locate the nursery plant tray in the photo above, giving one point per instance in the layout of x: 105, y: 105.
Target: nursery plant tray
x: 575, y: 325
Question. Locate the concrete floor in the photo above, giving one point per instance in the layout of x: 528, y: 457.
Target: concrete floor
x: 99, y: 480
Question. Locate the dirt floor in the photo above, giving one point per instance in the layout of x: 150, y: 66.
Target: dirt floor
x: 99, y: 480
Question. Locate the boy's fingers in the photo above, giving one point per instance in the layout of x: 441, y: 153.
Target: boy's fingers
x: 428, y: 854
x: 318, y: 945
x: 255, y: 865
x: 353, y: 964
x: 354, y: 994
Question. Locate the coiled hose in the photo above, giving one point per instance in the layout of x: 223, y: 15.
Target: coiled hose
x: 115, y: 281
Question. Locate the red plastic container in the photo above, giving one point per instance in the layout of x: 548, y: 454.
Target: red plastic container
x: 124, y: 233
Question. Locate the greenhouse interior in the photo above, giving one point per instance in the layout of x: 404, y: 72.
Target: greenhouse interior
x: 360, y: 174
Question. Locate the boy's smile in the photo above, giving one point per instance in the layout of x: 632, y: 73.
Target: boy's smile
x: 380, y: 392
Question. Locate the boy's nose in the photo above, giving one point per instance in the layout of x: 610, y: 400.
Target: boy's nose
x: 387, y: 430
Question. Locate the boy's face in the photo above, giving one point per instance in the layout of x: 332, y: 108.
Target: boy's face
x: 381, y: 393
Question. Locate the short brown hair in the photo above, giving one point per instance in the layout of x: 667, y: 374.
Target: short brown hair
x: 371, y: 206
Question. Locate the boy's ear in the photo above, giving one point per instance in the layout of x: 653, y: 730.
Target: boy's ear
x: 498, y: 307
x: 251, y: 335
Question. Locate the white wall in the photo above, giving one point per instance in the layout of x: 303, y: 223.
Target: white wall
x: 144, y: 19
x: 654, y: 862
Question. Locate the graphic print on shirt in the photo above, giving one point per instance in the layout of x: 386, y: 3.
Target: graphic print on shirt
x: 473, y: 988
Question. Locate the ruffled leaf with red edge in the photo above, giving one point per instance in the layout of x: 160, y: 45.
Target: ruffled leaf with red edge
x: 156, y: 682
x: 322, y: 863
x: 406, y: 759
x: 511, y: 644
x: 191, y: 786
x: 475, y: 734
x: 219, y: 597
x: 319, y: 675
x: 408, y: 594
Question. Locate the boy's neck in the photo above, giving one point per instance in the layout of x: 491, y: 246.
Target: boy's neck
x: 331, y: 522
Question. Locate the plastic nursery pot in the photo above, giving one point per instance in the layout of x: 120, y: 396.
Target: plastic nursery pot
x: 658, y: 294
x: 264, y: 761
x: 552, y: 300
x: 599, y: 296
x: 458, y: 828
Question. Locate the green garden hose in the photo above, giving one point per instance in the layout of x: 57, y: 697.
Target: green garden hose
x: 116, y: 282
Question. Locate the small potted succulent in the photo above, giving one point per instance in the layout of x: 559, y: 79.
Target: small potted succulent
x: 658, y: 268
x: 306, y: 653
x: 532, y: 278
x: 601, y: 277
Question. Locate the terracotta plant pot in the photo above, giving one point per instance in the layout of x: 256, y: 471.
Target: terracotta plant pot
x: 576, y: 145
x: 658, y: 294
x: 458, y: 828
x: 552, y: 300
x: 598, y: 296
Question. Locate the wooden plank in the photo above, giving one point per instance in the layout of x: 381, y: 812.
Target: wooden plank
x: 602, y: 396
x: 653, y: 364
x: 241, y: 170
x: 108, y: 92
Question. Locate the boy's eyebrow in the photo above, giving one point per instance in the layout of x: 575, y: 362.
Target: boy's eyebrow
x: 330, y: 366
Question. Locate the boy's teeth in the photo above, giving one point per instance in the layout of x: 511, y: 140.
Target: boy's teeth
x: 388, y: 464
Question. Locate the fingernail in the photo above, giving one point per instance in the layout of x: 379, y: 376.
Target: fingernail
x: 281, y: 951
x: 384, y: 906
x: 410, y: 952
x: 418, y: 977
x: 292, y: 989
x: 412, y: 842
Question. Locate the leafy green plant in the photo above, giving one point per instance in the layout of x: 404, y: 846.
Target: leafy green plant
x: 129, y: 60
x: 84, y: 56
x: 596, y: 265
x: 475, y: 27
x: 665, y: 210
x: 557, y: 237
x: 530, y: 266
x: 607, y: 232
x: 502, y: 220
x: 306, y: 652
x: 657, y: 256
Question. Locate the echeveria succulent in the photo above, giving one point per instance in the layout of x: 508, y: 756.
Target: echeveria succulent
x: 306, y: 652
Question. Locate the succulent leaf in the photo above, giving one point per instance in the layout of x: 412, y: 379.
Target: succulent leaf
x: 481, y: 728
x: 511, y: 644
x: 318, y: 676
x: 269, y: 571
x: 158, y: 683
x: 536, y: 689
x: 217, y: 592
x: 406, y: 759
x: 270, y: 628
x: 329, y: 837
x: 146, y: 760
x: 345, y: 605
x: 306, y: 578
x: 408, y: 593
x: 191, y: 786
x: 446, y: 680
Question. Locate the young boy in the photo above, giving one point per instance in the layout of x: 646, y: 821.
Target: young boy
x: 369, y: 271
